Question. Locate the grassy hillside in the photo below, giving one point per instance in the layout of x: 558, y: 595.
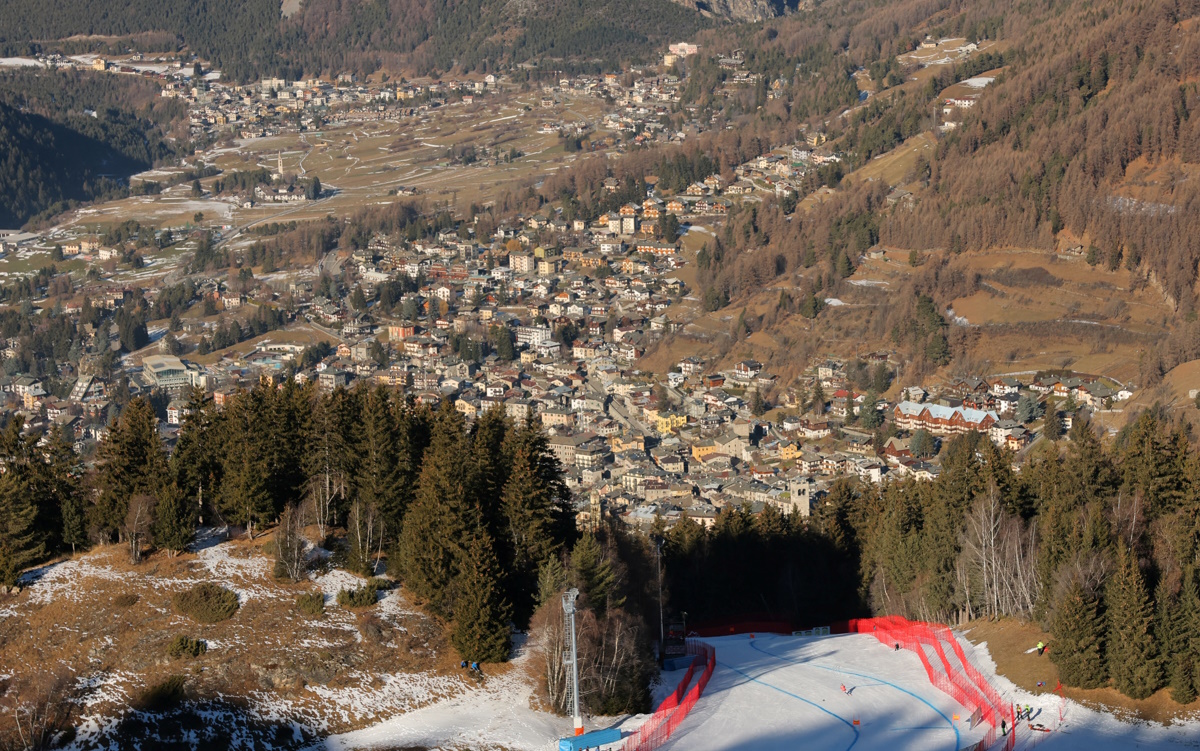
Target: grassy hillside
x: 270, y: 673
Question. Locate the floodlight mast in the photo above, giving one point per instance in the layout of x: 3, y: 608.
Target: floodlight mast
x: 572, y: 656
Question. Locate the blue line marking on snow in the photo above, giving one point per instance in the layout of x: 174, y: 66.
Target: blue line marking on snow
x: 841, y: 719
x: 957, y: 735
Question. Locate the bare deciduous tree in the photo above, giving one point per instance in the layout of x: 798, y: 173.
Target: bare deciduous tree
x: 290, y: 560
x: 38, y: 710
x: 138, y: 520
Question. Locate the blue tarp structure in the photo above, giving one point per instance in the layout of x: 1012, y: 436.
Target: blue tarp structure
x: 594, y: 739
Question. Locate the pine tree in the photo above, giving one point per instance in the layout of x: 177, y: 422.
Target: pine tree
x: 20, y: 540
x: 64, y: 503
x: 758, y: 407
x: 1052, y: 425
x: 552, y: 580
x: 488, y: 438
x: 375, y: 478
x: 817, y: 404
x: 1077, y: 647
x: 593, y: 573
x: 175, y: 519
x: 1132, y: 650
x: 535, y: 523
x: 437, y: 525
x: 1183, y: 672
x: 133, y: 463
x: 245, y: 497
x: 196, y: 461
x: 481, y: 614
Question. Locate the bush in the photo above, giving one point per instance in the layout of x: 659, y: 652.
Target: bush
x: 162, y: 695
x: 363, y: 597
x: 126, y: 600
x: 186, y: 646
x: 312, y: 603
x: 206, y: 603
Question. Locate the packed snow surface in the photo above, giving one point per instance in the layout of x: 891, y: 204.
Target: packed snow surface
x: 783, y: 692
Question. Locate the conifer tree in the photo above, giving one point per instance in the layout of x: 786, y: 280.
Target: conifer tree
x: 594, y: 575
x: 375, y: 480
x: 1132, y: 651
x: 535, y: 523
x: 326, y: 461
x: 1183, y: 658
x: 175, y: 517
x: 1052, y: 425
x: 133, y: 463
x: 443, y: 513
x: 21, y: 543
x: 196, y: 461
x: 817, y: 404
x: 64, y: 497
x: 245, y: 498
x: 488, y: 438
x: 552, y: 579
x: 481, y: 614
x: 1077, y: 646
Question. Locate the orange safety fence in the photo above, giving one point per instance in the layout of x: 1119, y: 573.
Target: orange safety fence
x: 949, y: 670
x: 666, y: 719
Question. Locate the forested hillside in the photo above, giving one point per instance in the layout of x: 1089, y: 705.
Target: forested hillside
x: 1089, y: 135
x: 68, y: 137
x: 247, y: 39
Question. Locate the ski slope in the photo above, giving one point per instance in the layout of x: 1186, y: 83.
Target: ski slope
x: 780, y: 693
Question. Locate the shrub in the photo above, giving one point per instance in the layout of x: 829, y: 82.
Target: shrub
x: 186, y: 646
x: 363, y: 597
x: 206, y: 603
x: 312, y: 603
x: 126, y: 600
x: 162, y: 695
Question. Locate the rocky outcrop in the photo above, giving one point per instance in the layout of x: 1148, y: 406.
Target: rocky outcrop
x: 740, y: 10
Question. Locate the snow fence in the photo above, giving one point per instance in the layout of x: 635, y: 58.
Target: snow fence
x: 666, y: 719
x: 948, y: 669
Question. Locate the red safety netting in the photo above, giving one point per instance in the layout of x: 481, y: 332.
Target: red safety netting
x: 666, y: 719
x: 948, y: 669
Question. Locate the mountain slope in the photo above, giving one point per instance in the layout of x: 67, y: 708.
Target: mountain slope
x: 248, y: 38
x: 74, y: 137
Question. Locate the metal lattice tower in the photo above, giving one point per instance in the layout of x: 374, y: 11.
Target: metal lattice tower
x: 571, y: 658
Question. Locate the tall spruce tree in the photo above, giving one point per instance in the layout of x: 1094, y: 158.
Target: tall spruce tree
x: 196, y: 462
x: 175, y: 518
x: 64, y: 495
x: 593, y: 573
x: 481, y: 614
x: 21, y: 542
x: 245, y: 496
x: 132, y: 463
x: 1184, y: 676
x: 443, y: 515
x: 1132, y: 651
x: 492, y: 465
x: 536, y: 520
x: 1077, y: 639
x: 376, y: 481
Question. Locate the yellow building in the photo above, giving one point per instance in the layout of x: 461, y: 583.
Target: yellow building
x: 701, y: 449
x: 669, y: 423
